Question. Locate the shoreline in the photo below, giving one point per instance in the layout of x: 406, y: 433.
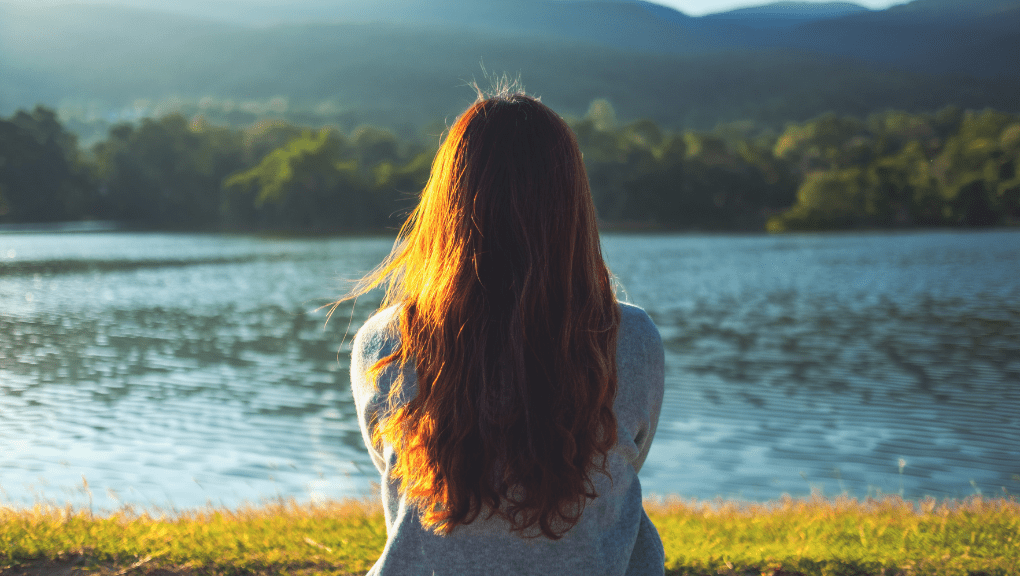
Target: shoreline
x: 622, y: 228
x: 370, y: 504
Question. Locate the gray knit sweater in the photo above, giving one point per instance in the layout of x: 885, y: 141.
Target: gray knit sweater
x: 614, y: 535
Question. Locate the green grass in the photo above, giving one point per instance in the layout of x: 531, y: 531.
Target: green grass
x: 841, y: 537
x: 973, y: 537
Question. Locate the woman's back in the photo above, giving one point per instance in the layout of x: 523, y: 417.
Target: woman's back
x: 613, y: 534
x: 507, y: 398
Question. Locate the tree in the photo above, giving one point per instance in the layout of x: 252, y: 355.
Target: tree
x: 827, y: 200
x: 976, y: 170
x: 42, y: 177
x: 168, y: 172
x: 824, y: 143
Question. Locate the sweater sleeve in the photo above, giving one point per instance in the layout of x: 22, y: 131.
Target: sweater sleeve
x: 641, y: 362
x: 656, y: 364
x: 374, y: 341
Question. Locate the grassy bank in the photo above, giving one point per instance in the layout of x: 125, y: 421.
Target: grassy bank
x: 789, y: 537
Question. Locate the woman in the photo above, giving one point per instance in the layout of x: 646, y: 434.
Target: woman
x: 506, y: 397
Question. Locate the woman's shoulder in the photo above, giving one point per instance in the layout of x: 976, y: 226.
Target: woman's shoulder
x: 377, y: 338
x: 384, y: 323
x: 636, y: 324
x: 380, y: 335
x: 640, y: 358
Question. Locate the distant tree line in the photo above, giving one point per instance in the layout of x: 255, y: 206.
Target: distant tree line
x: 952, y: 168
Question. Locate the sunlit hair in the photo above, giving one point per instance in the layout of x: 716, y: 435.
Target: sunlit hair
x: 510, y: 320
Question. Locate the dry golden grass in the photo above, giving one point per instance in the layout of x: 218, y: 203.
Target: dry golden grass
x: 342, y: 537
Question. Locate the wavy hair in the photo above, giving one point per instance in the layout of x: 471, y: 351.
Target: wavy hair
x: 509, y: 317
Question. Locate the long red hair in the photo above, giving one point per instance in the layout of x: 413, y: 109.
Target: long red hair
x: 508, y: 315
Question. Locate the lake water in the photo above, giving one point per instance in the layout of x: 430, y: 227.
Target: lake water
x: 175, y: 371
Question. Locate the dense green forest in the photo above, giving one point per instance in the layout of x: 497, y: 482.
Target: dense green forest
x: 894, y: 169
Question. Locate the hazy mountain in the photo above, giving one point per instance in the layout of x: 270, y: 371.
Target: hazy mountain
x: 962, y: 37
x: 408, y: 60
x: 952, y: 9
x: 785, y: 14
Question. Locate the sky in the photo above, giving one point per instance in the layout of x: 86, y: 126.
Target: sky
x: 702, y: 7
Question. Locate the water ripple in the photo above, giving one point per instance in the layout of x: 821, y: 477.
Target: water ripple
x: 179, y: 370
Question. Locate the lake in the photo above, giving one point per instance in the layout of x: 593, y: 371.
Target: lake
x: 175, y: 371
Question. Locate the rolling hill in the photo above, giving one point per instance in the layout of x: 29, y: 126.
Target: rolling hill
x: 406, y: 61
